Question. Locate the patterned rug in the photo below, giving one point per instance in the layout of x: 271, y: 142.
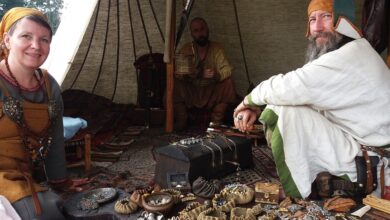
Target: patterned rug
x: 264, y: 163
x: 263, y: 170
x: 135, y: 167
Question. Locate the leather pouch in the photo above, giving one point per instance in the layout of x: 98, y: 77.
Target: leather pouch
x: 206, y: 189
x: 339, y: 204
x: 324, y: 185
x: 327, y: 184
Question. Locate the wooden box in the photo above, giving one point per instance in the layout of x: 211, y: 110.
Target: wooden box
x: 267, y: 192
x: 196, y: 160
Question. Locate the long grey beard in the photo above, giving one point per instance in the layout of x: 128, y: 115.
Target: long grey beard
x: 314, y: 51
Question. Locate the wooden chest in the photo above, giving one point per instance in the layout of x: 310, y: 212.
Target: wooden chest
x: 267, y: 192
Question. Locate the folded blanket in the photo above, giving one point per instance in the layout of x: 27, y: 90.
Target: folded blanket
x: 72, y: 126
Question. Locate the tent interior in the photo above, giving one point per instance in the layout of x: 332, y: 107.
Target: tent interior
x: 100, y: 47
x: 102, y: 51
x: 109, y: 36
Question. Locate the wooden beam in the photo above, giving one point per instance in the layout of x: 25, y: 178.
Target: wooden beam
x: 170, y: 69
x: 388, y: 35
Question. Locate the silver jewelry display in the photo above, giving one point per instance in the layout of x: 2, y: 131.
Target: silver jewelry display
x: 187, y: 142
x: 179, y: 144
x: 210, y: 143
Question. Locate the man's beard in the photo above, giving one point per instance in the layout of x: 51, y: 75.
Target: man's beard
x: 314, y: 51
x: 202, y: 41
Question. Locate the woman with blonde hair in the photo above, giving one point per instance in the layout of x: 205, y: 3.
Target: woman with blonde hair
x: 31, y: 127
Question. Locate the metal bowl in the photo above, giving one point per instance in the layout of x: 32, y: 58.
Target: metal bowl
x: 101, y: 195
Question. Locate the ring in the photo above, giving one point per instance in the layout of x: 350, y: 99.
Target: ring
x: 239, y: 117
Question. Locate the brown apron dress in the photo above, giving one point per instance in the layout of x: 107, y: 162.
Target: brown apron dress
x: 20, y: 141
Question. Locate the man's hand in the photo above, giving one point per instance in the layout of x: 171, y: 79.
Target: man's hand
x: 208, y: 73
x: 245, y: 116
x: 245, y: 119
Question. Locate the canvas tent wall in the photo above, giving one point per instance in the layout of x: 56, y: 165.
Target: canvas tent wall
x: 102, y: 62
x: 272, y: 34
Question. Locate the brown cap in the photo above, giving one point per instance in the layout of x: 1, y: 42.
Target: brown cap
x: 315, y: 5
x: 12, y: 16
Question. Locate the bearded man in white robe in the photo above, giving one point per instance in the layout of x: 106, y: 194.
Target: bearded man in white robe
x: 321, y: 114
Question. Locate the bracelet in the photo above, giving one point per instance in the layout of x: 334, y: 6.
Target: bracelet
x: 179, y: 144
x: 187, y: 142
x: 243, y: 103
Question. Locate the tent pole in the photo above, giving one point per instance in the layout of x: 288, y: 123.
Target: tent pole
x: 170, y: 67
x: 388, y: 36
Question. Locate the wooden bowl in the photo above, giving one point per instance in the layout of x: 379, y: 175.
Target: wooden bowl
x: 158, y: 202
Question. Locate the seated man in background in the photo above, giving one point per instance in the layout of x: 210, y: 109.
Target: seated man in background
x: 329, y: 113
x: 210, y: 86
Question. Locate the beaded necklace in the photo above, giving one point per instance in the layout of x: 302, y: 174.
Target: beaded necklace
x: 18, y: 86
x: 13, y: 108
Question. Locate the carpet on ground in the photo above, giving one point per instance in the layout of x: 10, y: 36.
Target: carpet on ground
x: 263, y: 170
x: 135, y: 169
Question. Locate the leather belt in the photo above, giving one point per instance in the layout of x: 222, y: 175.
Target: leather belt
x: 30, y: 182
x: 370, y: 180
